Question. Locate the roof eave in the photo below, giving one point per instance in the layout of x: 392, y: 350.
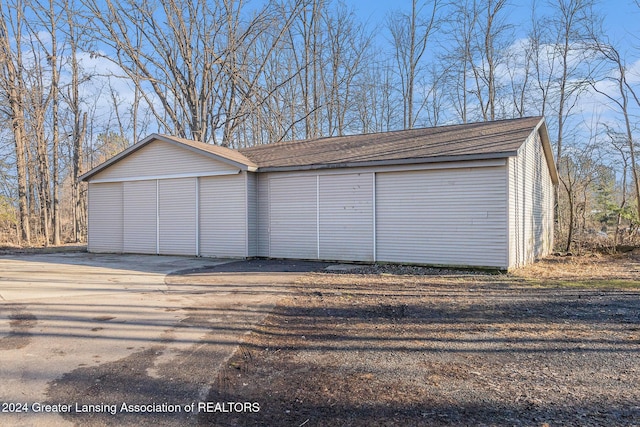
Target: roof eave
x: 391, y: 162
x: 242, y: 166
x: 548, y: 152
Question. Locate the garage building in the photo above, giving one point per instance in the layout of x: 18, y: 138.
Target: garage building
x: 476, y: 194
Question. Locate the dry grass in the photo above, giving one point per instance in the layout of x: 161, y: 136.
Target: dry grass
x: 11, y: 249
x: 594, y: 270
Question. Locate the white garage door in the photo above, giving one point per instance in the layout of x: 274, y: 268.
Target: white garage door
x: 449, y: 217
x: 222, y: 217
x: 346, y: 217
x: 177, y: 216
x: 105, y: 217
x: 293, y: 217
x: 140, y: 219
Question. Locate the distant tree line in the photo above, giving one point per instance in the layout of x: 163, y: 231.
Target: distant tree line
x: 80, y: 80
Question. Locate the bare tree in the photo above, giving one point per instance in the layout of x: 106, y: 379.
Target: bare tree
x: 488, y: 42
x: 13, y: 87
x: 348, y: 46
x: 36, y: 105
x: 410, y: 34
x: 49, y: 16
x: 624, y: 92
x: 480, y: 38
x: 45, y: 104
x: 433, y: 96
x: 461, y: 28
x: 78, y: 120
x: 620, y: 146
x: 561, y: 56
x: 568, y: 39
x: 377, y: 108
x: 194, y: 72
x: 55, y: 134
x: 305, y: 42
x: 578, y: 172
x: 518, y: 66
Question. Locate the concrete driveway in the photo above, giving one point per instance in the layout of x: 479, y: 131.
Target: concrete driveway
x: 80, y: 332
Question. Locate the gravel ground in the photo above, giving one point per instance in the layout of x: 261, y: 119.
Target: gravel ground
x: 409, y: 346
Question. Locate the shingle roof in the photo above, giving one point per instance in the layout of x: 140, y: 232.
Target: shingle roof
x: 217, y: 150
x: 487, y: 139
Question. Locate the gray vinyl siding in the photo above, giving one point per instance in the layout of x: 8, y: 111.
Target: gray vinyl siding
x: 105, y: 217
x: 444, y: 217
x: 223, y: 216
x: 170, y: 200
x: 346, y: 217
x: 252, y: 212
x: 177, y: 216
x: 293, y: 217
x: 263, y: 214
x: 162, y: 159
x: 531, y: 199
x: 140, y: 220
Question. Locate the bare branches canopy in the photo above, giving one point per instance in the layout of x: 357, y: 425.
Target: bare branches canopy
x: 81, y: 80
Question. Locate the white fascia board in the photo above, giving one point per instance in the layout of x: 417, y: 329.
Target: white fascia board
x: 172, y: 176
x: 548, y: 152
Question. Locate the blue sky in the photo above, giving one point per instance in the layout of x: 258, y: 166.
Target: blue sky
x: 621, y: 23
x: 622, y: 17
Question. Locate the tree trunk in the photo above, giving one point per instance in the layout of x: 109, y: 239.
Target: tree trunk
x: 571, y: 221
x: 14, y: 89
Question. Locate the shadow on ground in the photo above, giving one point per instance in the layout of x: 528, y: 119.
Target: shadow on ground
x: 423, y: 352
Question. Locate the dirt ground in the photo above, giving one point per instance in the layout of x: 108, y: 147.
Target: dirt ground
x: 556, y: 343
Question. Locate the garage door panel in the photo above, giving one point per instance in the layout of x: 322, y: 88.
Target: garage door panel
x: 177, y: 216
x: 293, y: 217
x: 140, y: 220
x: 105, y: 217
x: 346, y: 217
x: 223, y: 216
x: 451, y: 216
